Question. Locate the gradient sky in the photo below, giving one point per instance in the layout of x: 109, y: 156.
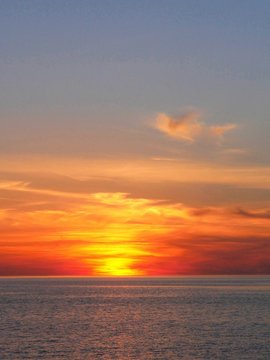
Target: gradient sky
x: 134, y: 137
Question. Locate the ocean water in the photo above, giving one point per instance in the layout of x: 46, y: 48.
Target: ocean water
x: 138, y: 318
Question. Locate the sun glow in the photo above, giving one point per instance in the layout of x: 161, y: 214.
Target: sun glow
x: 116, y: 252
x: 118, y: 267
x: 115, y: 239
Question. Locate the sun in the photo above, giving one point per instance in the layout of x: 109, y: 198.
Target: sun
x: 118, y: 267
x: 115, y: 256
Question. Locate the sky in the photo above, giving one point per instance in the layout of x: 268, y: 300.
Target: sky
x: 134, y: 137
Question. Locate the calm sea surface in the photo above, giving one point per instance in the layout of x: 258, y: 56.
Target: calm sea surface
x: 139, y: 318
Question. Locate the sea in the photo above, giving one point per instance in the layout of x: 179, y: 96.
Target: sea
x: 166, y: 318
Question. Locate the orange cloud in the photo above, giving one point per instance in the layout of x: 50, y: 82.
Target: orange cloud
x: 220, y: 130
x: 185, y: 127
x: 189, y: 127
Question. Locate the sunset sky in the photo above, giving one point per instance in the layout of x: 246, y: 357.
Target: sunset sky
x: 134, y: 137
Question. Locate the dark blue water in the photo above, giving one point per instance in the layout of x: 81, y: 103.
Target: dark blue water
x: 142, y: 318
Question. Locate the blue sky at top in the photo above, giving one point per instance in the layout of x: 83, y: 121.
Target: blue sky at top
x: 106, y: 67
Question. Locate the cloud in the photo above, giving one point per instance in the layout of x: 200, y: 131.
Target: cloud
x: 12, y: 185
x: 220, y: 130
x: 189, y: 127
x: 253, y: 214
x: 235, y: 151
x: 186, y: 127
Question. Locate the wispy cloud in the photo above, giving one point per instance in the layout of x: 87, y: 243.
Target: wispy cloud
x: 116, y: 174
x: 262, y: 214
x: 235, y: 151
x: 189, y: 127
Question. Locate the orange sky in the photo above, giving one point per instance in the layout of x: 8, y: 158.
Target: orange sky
x: 51, y: 224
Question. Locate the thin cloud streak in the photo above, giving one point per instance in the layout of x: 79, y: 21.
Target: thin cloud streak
x: 141, y: 170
